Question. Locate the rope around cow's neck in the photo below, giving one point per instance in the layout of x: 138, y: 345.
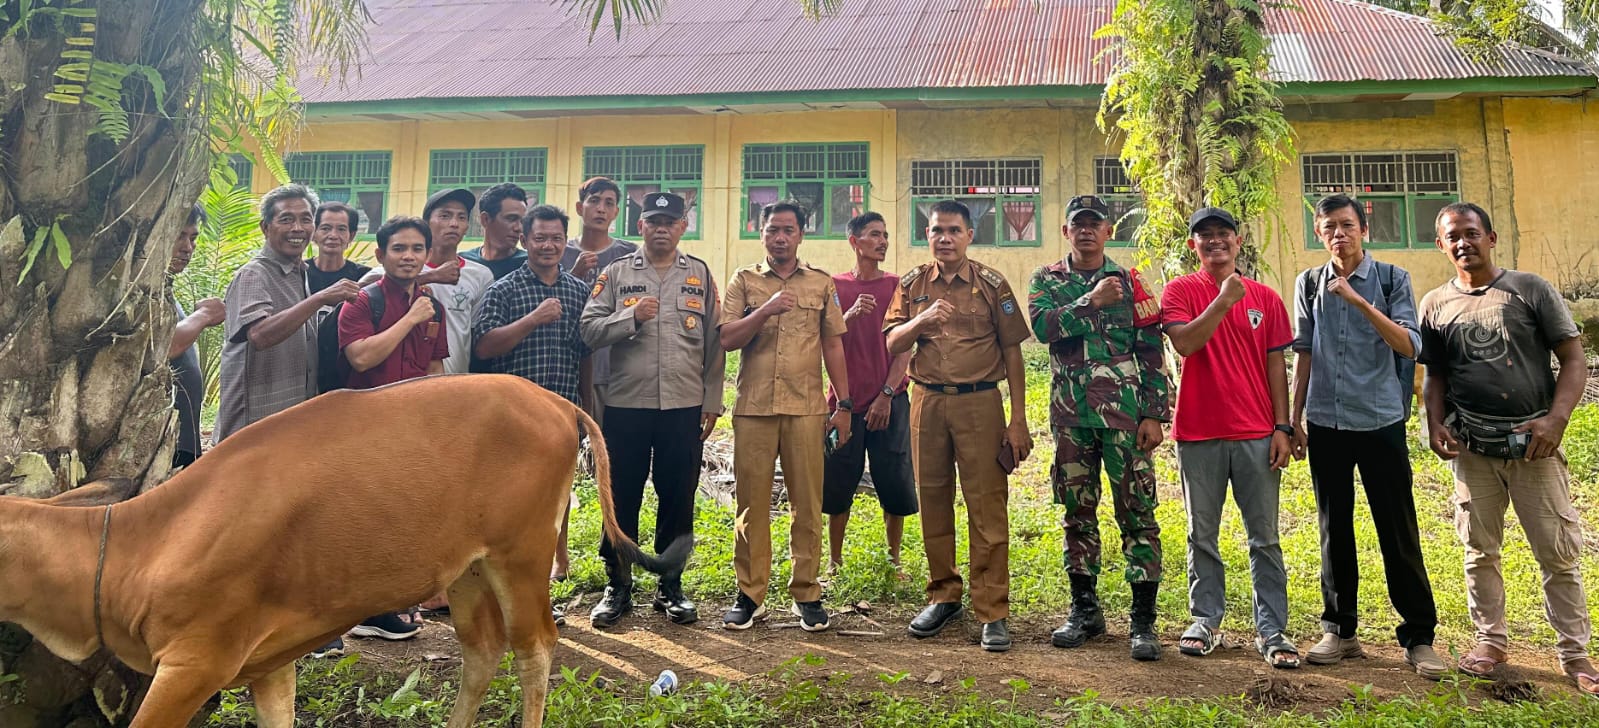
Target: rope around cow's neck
x: 99, y: 571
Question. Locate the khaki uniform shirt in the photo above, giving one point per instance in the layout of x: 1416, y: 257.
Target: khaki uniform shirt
x: 969, y: 347
x: 781, y: 369
x: 258, y: 382
x: 672, y: 361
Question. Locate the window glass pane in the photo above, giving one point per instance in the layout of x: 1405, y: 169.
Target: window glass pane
x: 1123, y: 215
x: 691, y: 212
x: 809, y: 196
x: 1386, y: 216
x: 1019, y: 220
x: 759, y: 197
x: 846, y: 202
x: 983, y: 227
x: 1424, y: 220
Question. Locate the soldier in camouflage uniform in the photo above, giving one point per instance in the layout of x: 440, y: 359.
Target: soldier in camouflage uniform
x: 1107, y: 402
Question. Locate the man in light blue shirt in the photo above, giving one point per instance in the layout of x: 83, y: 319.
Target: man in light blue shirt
x: 1356, y: 343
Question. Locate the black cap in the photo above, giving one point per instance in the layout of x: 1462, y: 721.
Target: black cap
x: 1086, y: 203
x: 1211, y: 213
x: 662, y: 203
x: 459, y: 194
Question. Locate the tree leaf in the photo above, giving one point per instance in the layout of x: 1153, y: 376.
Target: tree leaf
x: 63, y: 246
x: 32, y: 253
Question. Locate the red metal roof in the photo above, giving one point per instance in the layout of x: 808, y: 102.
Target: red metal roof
x: 486, y: 49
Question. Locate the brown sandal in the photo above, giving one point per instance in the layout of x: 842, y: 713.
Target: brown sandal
x: 1579, y: 676
x: 1481, y: 661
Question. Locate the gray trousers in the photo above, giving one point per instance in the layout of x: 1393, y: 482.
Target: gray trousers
x: 1206, y: 467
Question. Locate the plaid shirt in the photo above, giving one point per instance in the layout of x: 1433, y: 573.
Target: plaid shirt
x: 549, y: 356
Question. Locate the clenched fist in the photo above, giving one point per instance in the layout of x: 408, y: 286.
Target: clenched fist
x: 585, y: 264
x: 646, y: 309
x: 1232, y: 289
x: 342, y: 290
x: 548, y: 312
x: 421, y: 311
x: 211, y: 311
x: 780, y: 303
x: 1106, y: 293
x: 863, y: 305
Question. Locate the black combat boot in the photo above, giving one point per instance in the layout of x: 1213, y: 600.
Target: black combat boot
x: 1086, y: 620
x: 1146, y: 644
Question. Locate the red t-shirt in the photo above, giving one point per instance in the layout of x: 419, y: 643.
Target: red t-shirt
x: 866, y: 355
x: 426, y: 342
x: 1223, y: 394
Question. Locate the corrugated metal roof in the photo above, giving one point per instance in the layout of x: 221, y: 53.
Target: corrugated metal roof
x: 484, y: 49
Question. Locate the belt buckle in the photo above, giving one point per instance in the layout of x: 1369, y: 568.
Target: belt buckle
x: 951, y: 389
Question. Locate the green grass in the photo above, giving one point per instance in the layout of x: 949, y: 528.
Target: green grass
x: 794, y: 694
x: 1038, y: 583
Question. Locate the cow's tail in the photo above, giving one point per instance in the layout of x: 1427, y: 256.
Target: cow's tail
x: 670, y: 561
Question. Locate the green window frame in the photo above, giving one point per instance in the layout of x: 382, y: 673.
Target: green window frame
x: 243, y: 171
x: 359, y: 179
x: 480, y: 169
x: 642, y: 170
x: 1004, y: 196
x: 1401, y: 192
x: 831, y: 180
x: 1113, y: 185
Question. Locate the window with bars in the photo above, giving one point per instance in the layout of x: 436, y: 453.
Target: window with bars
x: 242, y: 168
x: 830, y: 181
x: 1002, y: 194
x: 642, y: 170
x: 480, y: 169
x: 359, y: 179
x: 1112, y: 185
x: 1401, y: 192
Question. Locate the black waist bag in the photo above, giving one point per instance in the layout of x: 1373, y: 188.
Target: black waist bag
x: 1490, y: 436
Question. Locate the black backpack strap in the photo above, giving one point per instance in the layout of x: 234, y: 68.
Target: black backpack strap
x: 375, y: 300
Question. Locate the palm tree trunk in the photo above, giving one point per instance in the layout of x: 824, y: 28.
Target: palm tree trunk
x: 84, y: 383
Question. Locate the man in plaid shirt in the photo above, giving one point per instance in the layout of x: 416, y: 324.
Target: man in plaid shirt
x: 527, y: 325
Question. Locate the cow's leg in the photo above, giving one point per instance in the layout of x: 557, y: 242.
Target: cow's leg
x: 480, y: 629
x: 177, y: 694
x: 525, y: 602
x: 274, y: 698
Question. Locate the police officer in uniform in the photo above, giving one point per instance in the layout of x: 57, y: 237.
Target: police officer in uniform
x: 657, y: 310
x: 966, y: 328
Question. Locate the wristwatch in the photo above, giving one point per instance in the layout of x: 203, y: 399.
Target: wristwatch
x: 887, y: 391
x: 846, y: 405
x: 1286, y: 430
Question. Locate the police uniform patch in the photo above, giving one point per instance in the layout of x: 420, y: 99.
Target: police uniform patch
x: 691, y: 322
x: 630, y: 301
x: 599, y: 285
x: 694, y: 303
x: 693, y: 281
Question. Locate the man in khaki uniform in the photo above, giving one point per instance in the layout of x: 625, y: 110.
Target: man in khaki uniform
x: 784, y: 315
x: 967, y: 329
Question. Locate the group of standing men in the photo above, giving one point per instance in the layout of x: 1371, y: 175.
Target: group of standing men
x: 637, y: 335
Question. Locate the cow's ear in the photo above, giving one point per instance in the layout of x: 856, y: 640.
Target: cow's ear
x: 102, y: 492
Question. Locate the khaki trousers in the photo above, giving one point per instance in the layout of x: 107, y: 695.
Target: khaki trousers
x: 1539, y: 491
x: 758, y: 441
x: 962, y: 433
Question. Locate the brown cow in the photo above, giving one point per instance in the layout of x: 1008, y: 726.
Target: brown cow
x: 301, y: 525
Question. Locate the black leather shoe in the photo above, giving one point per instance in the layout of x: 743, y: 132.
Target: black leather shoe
x: 934, y: 619
x: 677, y: 607
x: 618, y: 600
x: 996, y: 636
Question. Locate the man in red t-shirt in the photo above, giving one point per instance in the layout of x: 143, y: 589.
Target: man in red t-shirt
x: 1231, y: 425
x: 882, y: 410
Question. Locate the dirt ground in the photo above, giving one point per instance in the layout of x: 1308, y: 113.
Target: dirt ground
x: 869, y: 645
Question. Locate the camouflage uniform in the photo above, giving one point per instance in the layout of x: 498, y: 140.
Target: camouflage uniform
x: 1109, y: 374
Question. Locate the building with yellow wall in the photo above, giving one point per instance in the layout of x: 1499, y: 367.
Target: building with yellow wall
x: 893, y: 104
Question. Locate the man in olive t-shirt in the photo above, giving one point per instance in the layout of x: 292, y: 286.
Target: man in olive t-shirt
x: 1486, y: 337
